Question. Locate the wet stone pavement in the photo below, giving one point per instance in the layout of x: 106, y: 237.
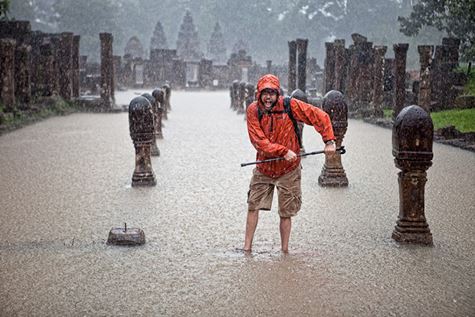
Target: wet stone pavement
x: 66, y: 181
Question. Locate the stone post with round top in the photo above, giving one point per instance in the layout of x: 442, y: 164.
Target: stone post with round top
x: 158, y: 94
x: 154, y: 151
x: 333, y: 174
x: 142, y: 134
x: 241, y: 97
x: 412, y: 150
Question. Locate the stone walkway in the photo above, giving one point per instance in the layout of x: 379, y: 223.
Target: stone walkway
x: 65, y: 182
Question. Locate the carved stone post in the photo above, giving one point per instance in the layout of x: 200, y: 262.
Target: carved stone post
x: 154, y: 151
x: 167, y: 93
x: 241, y: 97
x: 142, y: 134
x: 250, y: 94
x: 7, y: 74
x: 292, y: 84
x: 333, y: 174
x: 235, y: 87
x: 329, y: 67
x: 400, y: 54
x: 378, y: 81
x: 340, y: 62
x: 159, y: 96
x: 425, y: 55
x: 65, y: 64
x: 75, y: 68
x: 412, y: 149
x: 302, y: 63
x: 23, y: 75
x: 107, y: 70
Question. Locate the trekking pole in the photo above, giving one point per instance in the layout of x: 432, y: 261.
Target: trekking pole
x: 340, y: 150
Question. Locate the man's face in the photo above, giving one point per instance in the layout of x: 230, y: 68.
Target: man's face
x: 268, y: 97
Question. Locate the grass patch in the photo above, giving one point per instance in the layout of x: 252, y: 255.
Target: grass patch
x: 41, y: 109
x: 388, y: 113
x: 462, y: 119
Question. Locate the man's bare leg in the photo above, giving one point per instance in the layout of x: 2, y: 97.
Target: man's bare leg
x: 251, y: 224
x: 285, y: 227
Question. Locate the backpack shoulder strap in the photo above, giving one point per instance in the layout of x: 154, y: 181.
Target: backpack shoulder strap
x: 288, y: 110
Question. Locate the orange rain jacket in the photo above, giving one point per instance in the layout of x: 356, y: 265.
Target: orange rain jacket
x: 274, y: 135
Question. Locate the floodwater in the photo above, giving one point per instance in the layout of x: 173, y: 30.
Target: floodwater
x: 65, y: 182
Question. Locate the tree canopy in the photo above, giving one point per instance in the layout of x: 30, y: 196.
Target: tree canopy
x: 455, y: 17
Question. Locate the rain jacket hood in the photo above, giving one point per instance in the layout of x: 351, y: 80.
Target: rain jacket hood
x: 268, y: 81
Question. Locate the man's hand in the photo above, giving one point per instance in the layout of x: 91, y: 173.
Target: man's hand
x: 290, y: 156
x: 330, y: 148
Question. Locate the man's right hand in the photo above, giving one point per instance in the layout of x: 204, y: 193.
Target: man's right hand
x: 290, y: 156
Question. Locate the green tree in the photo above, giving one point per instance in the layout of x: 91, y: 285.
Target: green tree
x: 4, y: 5
x: 456, y: 17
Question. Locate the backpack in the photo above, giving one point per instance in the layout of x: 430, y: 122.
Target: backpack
x: 288, y: 111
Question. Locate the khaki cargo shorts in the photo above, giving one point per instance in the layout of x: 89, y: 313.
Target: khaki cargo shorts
x: 261, y: 192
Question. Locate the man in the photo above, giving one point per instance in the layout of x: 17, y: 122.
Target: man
x: 272, y: 133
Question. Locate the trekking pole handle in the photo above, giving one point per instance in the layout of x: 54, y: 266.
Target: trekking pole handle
x: 340, y: 150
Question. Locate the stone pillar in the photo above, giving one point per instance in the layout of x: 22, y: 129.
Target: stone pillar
x: 7, y: 74
x: 453, y: 45
x: 378, y: 81
x: 292, y: 81
x: 154, y: 151
x: 365, y: 81
x: 269, y: 66
x: 241, y: 97
x: 46, y: 74
x: 55, y: 42
x: 107, y: 70
x: 235, y: 88
x: 142, y: 133
x: 65, y: 64
x: 23, y: 75
x: 302, y: 64
x: 75, y: 68
x: 425, y: 59
x: 340, y: 63
x: 400, y: 54
x: 333, y: 174
x: 352, y: 73
x: 250, y: 94
x: 412, y: 150
x: 159, y: 95
x: 329, y: 67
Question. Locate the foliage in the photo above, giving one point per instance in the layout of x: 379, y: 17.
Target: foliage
x: 456, y: 17
x: 4, y: 7
x: 462, y: 119
x: 469, y: 88
x: 48, y: 107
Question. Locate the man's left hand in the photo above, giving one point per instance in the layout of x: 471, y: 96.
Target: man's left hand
x: 330, y: 149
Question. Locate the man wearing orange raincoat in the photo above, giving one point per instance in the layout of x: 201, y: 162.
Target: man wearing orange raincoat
x: 272, y: 133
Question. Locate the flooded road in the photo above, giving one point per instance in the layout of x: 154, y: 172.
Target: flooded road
x: 66, y: 181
